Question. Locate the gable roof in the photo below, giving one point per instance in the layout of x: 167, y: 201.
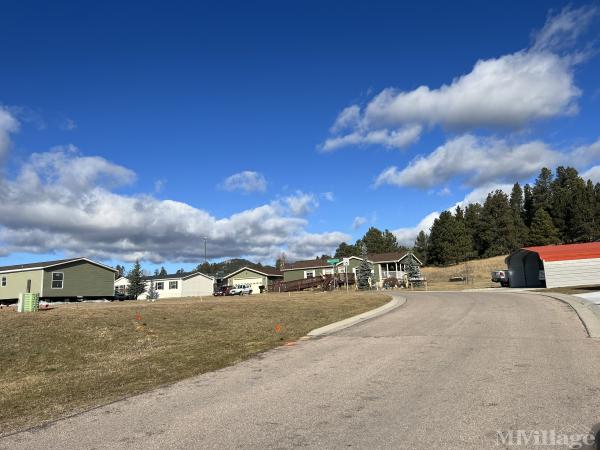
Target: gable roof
x: 176, y: 276
x: 567, y: 252
x: 48, y: 264
x: 374, y: 258
x: 267, y: 271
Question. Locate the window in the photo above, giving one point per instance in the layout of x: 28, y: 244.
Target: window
x: 3, y: 282
x: 160, y: 285
x: 309, y: 274
x: 57, y: 280
x: 173, y: 284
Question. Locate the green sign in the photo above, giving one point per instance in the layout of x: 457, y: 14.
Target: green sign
x: 333, y: 261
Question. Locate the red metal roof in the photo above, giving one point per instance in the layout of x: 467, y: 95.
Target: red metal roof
x: 567, y: 252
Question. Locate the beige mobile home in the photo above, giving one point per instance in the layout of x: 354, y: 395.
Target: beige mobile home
x: 61, y: 279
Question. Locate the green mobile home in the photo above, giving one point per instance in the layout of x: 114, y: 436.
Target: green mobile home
x: 255, y: 277
x: 384, y: 265
x: 61, y: 279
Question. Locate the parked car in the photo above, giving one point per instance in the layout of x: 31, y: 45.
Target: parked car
x: 223, y: 291
x: 501, y: 276
x: 242, y: 289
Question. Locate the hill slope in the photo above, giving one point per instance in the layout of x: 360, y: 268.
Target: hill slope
x: 478, y: 272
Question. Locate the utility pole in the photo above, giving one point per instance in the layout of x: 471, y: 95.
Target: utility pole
x: 205, y: 239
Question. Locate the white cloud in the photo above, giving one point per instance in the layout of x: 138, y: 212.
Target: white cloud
x: 400, y: 138
x: 300, y: 204
x: 475, y: 160
x: 8, y: 125
x: 593, y: 173
x: 562, y: 30
x: 329, y: 196
x: 406, y: 236
x: 509, y: 91
x: 68, y: 124
x: 479, y: 194
x: 159, y: 185
x: 62, y: 201
x: 586, y: 154
x: 246, y: 181
x: 358, y: 222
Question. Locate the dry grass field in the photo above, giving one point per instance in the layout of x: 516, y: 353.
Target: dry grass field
x: 478, y: 272
x: 57, y: 362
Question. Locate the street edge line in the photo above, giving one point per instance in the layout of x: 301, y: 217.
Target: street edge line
x: 394, y: 303
x: 588, y: 318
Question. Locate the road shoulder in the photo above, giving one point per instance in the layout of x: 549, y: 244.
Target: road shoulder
x: 588, y: 318
x: 396, y: 301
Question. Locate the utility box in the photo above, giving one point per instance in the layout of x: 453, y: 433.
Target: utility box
x: 28, y: 303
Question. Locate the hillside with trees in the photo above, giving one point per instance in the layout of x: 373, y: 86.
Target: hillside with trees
x: 557, y: 208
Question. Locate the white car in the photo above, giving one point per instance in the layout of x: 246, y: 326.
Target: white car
x: 241, y: 289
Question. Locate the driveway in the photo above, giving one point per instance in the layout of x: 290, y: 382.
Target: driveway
x: 446, y: 370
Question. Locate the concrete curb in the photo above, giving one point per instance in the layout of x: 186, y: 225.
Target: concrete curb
x: 396, y: 302
x: 587, y: 317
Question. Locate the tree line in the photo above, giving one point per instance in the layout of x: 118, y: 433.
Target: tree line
x: 558, y: 208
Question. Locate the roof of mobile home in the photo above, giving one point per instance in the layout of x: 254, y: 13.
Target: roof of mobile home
x: 46, y: 264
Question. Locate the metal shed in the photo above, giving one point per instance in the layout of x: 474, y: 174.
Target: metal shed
x: 555, y: 265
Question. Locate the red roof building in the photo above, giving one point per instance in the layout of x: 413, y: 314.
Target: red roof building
x: 555, y: 265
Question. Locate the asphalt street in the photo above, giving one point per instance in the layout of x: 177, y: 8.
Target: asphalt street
x: 446, y: 370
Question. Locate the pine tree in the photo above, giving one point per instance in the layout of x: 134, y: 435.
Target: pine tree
x: 413, y: 270
x: 421, y: 245
x: 474, y: 225
x: 152, y: 294
x: 345, y: 250
x: 528, y: 208
x: 136, y: 282
x: 542, y: 190
x: 120, y: 271
x: 518, y: 211
x: 163, y: 271
x: 449, y: 241
x: 543, y: 231
x: 378, y: 241
x: 498, y: 232
x: 363, y: 271
x: 180, y: 271
x: 155, y: 272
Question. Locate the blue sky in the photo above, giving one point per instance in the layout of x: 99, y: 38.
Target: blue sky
x: 134, y: 130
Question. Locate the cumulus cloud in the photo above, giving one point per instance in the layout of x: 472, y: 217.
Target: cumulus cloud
x: 8, y: 125
x: 406, y: 236
x: 387, y: 138
x: 358, y: 222
x: 246, y: 181
x: 476, y: 160
x: 593, y: 173
x: 63, y: 201
x: 329, y: 196
x: 300, y: 204
x: 509, y: 91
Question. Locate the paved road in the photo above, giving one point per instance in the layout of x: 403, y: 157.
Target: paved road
x: 446, y: 370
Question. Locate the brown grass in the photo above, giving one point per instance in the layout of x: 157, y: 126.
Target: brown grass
x: 571, y: 290
x: 479, y: 271
x: 56, y: 362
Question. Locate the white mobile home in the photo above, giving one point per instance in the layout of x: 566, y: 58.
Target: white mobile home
x: 194, y: 284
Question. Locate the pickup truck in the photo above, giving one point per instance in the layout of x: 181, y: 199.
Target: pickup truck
x: 501, y: 276
x: 241, y: 289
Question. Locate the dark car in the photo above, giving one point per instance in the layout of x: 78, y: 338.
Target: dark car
x: 223, y: 291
